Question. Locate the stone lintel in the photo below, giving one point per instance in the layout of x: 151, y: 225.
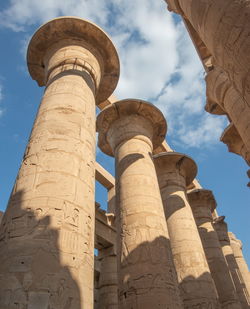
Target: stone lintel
x: 164, y: 147
x: 218, y: 84
x: 181, y: 162
x: 112, y: 99
x: 110, y: 251
x: 80, y: 31
x: 234, y: 142
x: 104, y: 177
x: 126, y: 108
x: 202, y: 197
x: 194, y: 185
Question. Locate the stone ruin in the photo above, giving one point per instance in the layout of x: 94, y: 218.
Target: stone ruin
x: 161, y: 243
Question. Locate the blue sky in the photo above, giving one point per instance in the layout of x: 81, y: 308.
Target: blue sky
x: 158, y: 63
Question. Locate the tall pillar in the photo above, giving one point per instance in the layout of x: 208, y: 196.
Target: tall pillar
x: 234, y: 142
x: 221, y: 91
x: 223, y: 26
x: 108, y: 282
x: 47, y: 236
x: 224, y: 29
x: 108, y: 285
x: 129, y: 130
x: 236, y: 245
x: 175, y: 172
x: 203, y: 204
x: 222, y: 232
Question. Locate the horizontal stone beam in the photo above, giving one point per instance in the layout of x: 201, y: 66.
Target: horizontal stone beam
x: 104, y: 177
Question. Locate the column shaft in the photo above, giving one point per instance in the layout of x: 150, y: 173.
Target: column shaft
x: 236, y: 246
x: 51, y: 209
x: 108, y: 285
x: 47, y: 235
x: 223, y: 26
x: 222, y: 232
x: 195, y: 281
x: 202, y: 203
x: 146, y: 273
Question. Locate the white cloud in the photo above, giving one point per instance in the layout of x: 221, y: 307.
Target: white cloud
x: 158, y: 60
x: 23, y: 13
x: 205, y: 130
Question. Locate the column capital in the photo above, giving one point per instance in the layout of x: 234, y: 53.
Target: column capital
x: 174, y: 161
x: 174, y: 6
x: 77, y: 32
x: 202, y: 198
x: 234, y: 142
x: 155, y: 126
x: 217, y: 83
x: 222, y: 230
x: 234, y: 240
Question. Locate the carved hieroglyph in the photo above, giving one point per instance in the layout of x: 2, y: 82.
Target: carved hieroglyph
x: 203, y: 204
x: 223, y: 27
x: 47, y: 235
x: 222, y: 92
x: 129, y: 130
x: 175, y: 172
x: 221, y: 228
x: 236, y: 245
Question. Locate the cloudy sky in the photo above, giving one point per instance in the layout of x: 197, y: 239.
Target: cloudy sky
x: 158, y: 64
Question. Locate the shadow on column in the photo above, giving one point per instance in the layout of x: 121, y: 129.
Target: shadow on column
x: 150, y: 278
x: 137, y: 290
x: 237, y: 278
x: 31, y: 272
x: 238, y: 281
x: 175, y: 203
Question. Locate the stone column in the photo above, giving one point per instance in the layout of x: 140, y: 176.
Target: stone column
x: 47, y: 236
x: 111, y: 201
x: 129, y: 130
x: 234, y: 142
x: 175, y: 172
x: 203, y: 204
x: 221, y: 91
x: 108, y: 285
x: 224, y: 29
x: 108, y: 282
x: 223, y: 26
x: 236, y: 245
x: 222, y: 232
